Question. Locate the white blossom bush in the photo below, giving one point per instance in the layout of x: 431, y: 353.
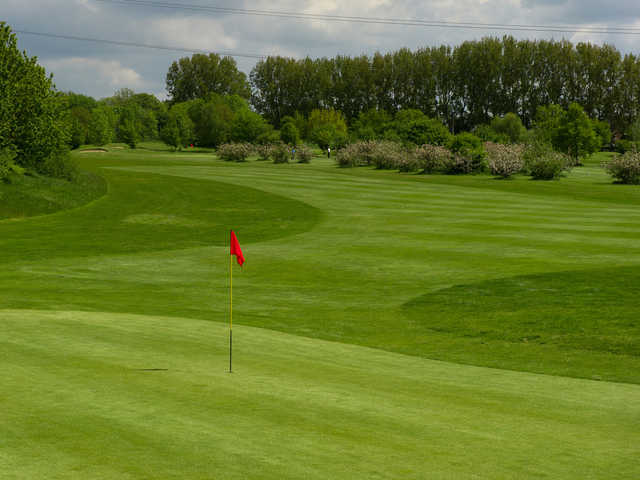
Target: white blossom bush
x: 281, y: 153
x: 625, y: 168
x: 432, y: 158
x: 504, y: 160
x: 303, y: 154
x: 234, y: 152
x: 264, y: 152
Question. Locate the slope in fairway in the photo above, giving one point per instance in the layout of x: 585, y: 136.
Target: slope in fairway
x: 96, y: 395
x: 422, y: 265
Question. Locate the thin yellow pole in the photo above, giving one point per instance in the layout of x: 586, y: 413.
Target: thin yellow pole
x: 230, y: 311
x: 230, y: 292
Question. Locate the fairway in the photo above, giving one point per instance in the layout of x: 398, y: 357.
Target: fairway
x: 388, y: 325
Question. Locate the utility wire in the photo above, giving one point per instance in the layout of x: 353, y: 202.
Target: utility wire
x: 375, y: 20
x: 139, y: 45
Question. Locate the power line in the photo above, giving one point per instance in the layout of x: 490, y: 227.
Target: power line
x: 138, y: 45
x: 376, y: 20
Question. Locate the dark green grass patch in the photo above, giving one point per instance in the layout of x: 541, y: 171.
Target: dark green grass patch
x: 590, y: 310
x: 28, y: 196
x: 144, y: 212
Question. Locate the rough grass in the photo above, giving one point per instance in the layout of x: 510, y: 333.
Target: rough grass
x: 27, y: 196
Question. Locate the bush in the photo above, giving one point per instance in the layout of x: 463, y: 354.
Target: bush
x: 7, y: 165
x: 624, y: 146
x: 358, y: 153
x: 387, y: 155
x: 408, y: 162
x: 432, y: 158
x: 59, y: 165
x: 548, y: 166
x: 458, y: 164
x: 625, y: 168
x: 304, y: 154
x: 504, y: 160
x: 264, y: 152
x: 234, y: 152
x: 280, y: 153
x: 470, y: 147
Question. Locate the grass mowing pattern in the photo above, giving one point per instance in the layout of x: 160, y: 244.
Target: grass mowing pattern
x: 83, y: 404
x: 388, y: 239
x: 144, y: 212
x: 432, y: 266
x: 27, y: 196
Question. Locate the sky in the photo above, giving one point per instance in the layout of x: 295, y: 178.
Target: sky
x: 99, y: 70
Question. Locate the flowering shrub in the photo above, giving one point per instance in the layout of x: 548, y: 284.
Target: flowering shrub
x: 264, y: 152
x: 234, y: 152
x: 382, y: 154
x: 280, y: 153
x: 625, y: 168
x: 458, y: 164
x: 409, y: 163
x: 548, y: 166
x: 504, y: 160
x: 432, y: 158
x: 303, y: 153
x: 387, y: 155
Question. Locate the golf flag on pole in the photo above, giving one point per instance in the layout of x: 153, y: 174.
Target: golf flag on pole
x: 235, y: 249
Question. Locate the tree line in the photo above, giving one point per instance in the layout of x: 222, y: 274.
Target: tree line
x: 465, y: 86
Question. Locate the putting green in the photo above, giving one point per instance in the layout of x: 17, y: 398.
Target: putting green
x: 96, y: 395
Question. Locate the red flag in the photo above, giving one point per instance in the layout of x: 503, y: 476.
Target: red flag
x: 235, y: 249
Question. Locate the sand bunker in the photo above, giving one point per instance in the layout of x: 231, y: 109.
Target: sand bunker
x: 94, y: 150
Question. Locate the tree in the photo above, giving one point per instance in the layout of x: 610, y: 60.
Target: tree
x: 128, y: 126
x: 289, y: 133
x: 548, y: 120
x: 201, y: 75
x: 178, y: 130
x: 33, y: 124
x: 415, y: 127
x: 79, y: 118
x: 510, y: 126
x: 371, y: 124
x: 576, y: 135
x: 248, y: 126
x: 327, y: 128
x: 101, y: 126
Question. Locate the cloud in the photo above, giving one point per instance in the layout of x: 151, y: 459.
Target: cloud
x: 98, y: 69
x: 94, y: 76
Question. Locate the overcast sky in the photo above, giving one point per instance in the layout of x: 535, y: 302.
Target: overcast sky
x: 99, y: 70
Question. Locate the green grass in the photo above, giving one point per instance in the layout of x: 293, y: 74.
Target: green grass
x: 394, y: 270
x: 27, y: 196
x: 121, y: 396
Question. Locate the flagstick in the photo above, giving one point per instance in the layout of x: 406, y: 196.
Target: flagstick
x: 230, y: 311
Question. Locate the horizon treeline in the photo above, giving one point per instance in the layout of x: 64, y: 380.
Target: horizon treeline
x: 465, y: 86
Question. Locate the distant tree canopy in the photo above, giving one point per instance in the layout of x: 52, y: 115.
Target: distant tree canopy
x: 217, y: 119
x: 465, y: 86
x: 34, y: 131
x: 201, y: 75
